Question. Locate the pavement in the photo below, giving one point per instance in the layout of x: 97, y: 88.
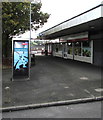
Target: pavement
x: 53, y: 81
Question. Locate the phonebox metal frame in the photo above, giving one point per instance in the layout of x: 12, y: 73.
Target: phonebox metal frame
x: 15, y: 78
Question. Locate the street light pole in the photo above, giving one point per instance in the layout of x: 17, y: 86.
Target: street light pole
x: 30, y: 21
x: 33, y: 2
x: 30, y: 39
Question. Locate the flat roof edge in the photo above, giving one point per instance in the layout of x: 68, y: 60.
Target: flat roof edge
x: 100, y: 5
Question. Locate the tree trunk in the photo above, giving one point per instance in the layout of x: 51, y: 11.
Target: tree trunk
x: 6, y: 46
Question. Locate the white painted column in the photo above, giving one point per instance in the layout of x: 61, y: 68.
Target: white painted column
x: 73, y: 49
x: 91, y: 51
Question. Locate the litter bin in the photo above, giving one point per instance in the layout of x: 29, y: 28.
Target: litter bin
x: 32, y: 59
x: 46, y: 52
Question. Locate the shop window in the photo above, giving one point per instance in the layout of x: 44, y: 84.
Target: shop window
x: 77, y: 49
x: 86, y: 50
x: 60, y: 47
x: 56, y: 49
x: 69, y: 50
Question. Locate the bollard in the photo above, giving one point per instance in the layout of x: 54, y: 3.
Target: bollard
x: 7, y: 95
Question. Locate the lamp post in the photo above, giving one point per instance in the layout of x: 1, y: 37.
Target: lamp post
x: 30, y: 22
x: 33, y: 2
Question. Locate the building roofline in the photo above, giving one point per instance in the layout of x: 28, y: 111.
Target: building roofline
x: 74, y: 17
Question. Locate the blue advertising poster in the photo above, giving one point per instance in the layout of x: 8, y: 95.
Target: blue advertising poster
x: 21, y: 59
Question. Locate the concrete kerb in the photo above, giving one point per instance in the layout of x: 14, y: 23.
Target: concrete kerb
x: 51, y: 104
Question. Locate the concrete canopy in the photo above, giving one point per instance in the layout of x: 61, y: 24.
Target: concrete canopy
x: 91, y: 20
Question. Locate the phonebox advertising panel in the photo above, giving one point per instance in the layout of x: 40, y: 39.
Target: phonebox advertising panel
x: 20, y: 59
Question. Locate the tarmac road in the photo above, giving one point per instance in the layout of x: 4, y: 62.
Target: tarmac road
x: 87, y: 110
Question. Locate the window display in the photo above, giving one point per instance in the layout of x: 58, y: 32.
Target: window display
x: 56, y: 49
x: 77, y: 49
x: 86, y: 49
x: 60, y: 47
x: 70, y: 51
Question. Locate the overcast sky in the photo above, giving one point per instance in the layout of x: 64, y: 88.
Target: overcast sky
x: 62, y: 10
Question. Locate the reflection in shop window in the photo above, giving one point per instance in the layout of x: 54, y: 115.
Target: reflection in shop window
x: 60, y: 47
x: 69, y: 48
x: 56, y: 48
x: 86, y: 50
x: 77, y: 49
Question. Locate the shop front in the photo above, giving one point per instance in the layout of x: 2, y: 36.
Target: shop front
x: 78, y: 47
x: 57, y: 49
x: 81, y: 37
x: 82, y: 51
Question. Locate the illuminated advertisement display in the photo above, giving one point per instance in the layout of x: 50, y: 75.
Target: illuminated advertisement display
x: 20, y: 59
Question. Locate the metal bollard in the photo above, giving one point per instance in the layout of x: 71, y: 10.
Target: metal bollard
x: 7, y: 95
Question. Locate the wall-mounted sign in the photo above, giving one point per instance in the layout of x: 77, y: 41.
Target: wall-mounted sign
x: 20, y: 59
